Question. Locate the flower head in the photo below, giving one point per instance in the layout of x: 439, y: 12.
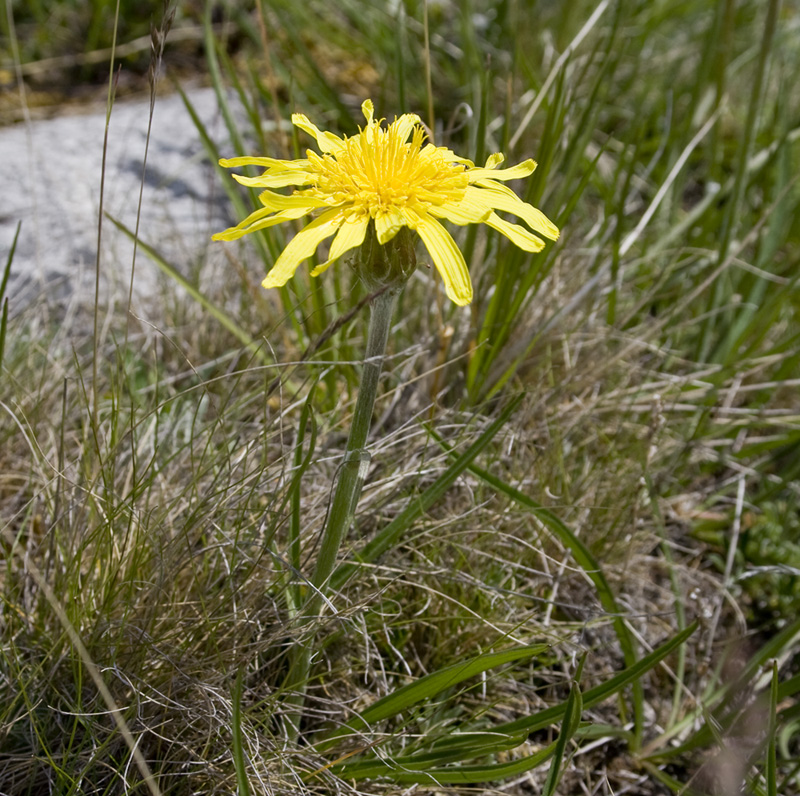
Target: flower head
x: 388, y: 176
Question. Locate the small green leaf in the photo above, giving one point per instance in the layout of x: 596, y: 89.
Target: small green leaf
x: 386, y: 538
x: 572, y: 719
x: 430, y: 685
x: 402, y: 771
x: 589, y: 565
x: 239, y: 758
x: 9, y: 260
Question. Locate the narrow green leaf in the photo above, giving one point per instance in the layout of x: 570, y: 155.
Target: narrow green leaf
x: 505, y: 736
x: 9, y: 260
x: 724, y: 286
x: 267, y: 245
x: 386, y: 538
x: 239, y: 758
x: 665, y: 779
x: 772, y: 732
x: 327, y: 94
x: 432, y: 684
x: 586, y: 561
x: 426, y: 761
x: 224, y: 319
x: 301, y: 464
x: 572, y: 719
x: 3, y: 327
x: 215, y: 74
x: 789, y: 688
x: 402, y: 772
x: 591, y: 697
x: 718, y: 700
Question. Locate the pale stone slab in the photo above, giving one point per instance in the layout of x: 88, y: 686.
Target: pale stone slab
x: 50, y: 172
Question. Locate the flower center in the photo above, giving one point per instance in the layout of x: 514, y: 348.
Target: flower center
x: 377, y: 172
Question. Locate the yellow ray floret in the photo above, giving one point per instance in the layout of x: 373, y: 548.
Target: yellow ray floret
x: 387, y: 176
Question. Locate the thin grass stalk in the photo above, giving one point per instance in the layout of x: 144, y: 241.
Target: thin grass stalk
x: 771, y: 764
x: 9, y: 260
x: 271, y: 77
x: 94, y: 671
x: 569, y: 726
x: 158, y: 38
x: 239, y: 754
x: 3, y: 327
x: 301, y: 464
x: 112, y: 87
x: 3, y: 297
x: 590, y: 566
x: 718, y: 698
x: 428, y: 81
x: 389, y: 536
x: 680, y: 608
x: 732, y: 218
x: 401, y: 43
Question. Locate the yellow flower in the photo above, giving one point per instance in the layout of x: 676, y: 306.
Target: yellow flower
x: 381, y: 176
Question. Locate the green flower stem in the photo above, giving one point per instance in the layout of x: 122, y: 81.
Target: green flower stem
x: 357, y: 457
x: 345, y: 498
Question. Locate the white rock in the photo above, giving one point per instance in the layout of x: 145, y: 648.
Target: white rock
x: 50, y: 171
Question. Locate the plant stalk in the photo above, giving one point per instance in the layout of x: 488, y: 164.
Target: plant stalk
x: 352, y: 473
x: 357, y: 458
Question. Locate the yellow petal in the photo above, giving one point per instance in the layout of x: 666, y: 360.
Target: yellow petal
x: 350, y: 235
x: 518, y: 235
x: 257, y: 220
x: 388, y: 224
x: 301, y: 247
x: 251, y: 219
x: 469, y: 210
x: 493, y: 161
x: 327, y: 142
x: 448, y: 155
x: 275, y: 179
x: 368, y: 109
x: 524, y: 169
x: 447, y: 258
x: 277, y: 201
x: 405, y: 124
x: 509, y: 202
x: 267, y: 163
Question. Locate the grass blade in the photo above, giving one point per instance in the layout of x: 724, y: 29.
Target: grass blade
x: 239, y: 758
x: 723, y: 287
x: 432, y: 684
x: 402, y: 772
x: 9, y: 260
x: 771, y: 767
x: 224, y: 319
x: 593, y: 696
x: 572, y: 719
x: 388, y: 536
x: 420, y: 768
x: 3, y: 327
x: 719, y: 699
x: 589, y: 565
